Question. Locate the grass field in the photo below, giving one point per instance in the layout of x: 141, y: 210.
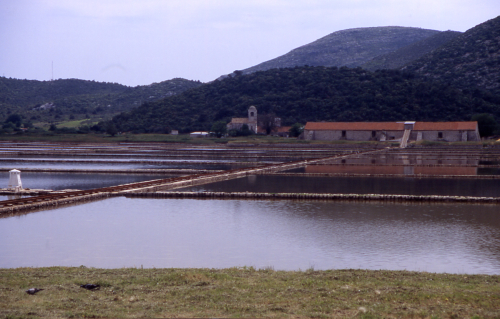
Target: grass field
x: 165, y: 138
x: 186, y: 139
x: 246, y: 292
x: 77, y: 123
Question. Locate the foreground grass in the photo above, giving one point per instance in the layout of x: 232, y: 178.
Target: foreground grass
x: 246, y: 292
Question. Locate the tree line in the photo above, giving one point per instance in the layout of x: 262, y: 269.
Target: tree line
x: 304, y: 94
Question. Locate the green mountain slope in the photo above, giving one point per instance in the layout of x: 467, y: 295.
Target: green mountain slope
x: 58, y: 100
x: 470, y: 60
x: 411, y: 52
x: 310, y: 94
x: 351, y: 48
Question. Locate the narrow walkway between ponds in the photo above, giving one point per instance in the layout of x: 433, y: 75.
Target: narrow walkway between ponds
x: 55, y: 199
x: 316, y: 196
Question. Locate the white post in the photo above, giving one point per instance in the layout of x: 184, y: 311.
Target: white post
x: 15, y: 180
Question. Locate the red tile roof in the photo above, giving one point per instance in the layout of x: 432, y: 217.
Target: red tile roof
x: 354, y: 126
x: 282, y: 129
x: 390, y: 126
x: 239, y: 120
x: 445, y: 126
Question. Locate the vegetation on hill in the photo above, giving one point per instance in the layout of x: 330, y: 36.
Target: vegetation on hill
x: 311, y: 94
x: 53, y: 101
x: 470, y: 60
x: 350, y: 48
x: 400, y: 57
x: 457, y: 80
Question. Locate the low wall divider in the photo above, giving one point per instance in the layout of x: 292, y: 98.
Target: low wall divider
x: 318, y: 196
x: 388, y: 175
x: 32, y: 203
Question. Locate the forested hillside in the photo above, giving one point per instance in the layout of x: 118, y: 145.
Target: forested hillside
x: 402, y: 56
x: 470, y: 60
x: 456, y: 76
x: 351, y: 47
x: 311, y: 94
x: 61, y: 99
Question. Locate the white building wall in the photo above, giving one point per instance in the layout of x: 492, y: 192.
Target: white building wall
x: 326, y: 135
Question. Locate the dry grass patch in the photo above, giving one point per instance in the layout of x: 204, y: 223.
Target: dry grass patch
x: 246, y: 292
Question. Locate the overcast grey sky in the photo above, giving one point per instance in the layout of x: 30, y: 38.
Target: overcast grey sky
x: 138, y: 42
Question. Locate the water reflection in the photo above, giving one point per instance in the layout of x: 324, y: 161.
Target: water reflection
x: 411, y: 159
x: 393, y: 170
x: 220, y: 158
x: 291, y: 235
x: 13, y: 196
x: 123, y: 165
x: 405, y: 170
x: 355, y: 185
x: 59, y: 181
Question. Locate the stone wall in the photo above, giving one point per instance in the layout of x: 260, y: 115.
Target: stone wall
x: 448, y: 136
x: 352, y: 135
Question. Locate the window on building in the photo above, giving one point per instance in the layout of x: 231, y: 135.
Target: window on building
x: 251, y: 113
x: 440, y: 134
x: 343, y: 133
x: 374, y: 133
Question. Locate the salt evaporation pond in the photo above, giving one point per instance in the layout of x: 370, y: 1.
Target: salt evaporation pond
x: 223, y: 158
x: 355, y: 185
x: 110, y: 165
x: 13, y: 196
x: 396, y: 170
x: 59, y: 181
x: 286, y: 235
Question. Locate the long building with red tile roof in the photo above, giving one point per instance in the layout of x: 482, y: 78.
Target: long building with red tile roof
x: 395, y: 131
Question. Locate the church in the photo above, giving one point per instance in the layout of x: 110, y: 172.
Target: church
x: 238, y: 122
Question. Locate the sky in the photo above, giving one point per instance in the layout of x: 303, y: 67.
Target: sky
x: 139, y: 42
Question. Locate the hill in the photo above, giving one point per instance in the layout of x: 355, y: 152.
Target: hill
x: 303, y: 94
x: 60, y: 99
x: 350, y: 48
x: 470, y: 60
x: 411, y: 52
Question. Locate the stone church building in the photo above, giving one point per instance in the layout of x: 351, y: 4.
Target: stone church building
x: 238, y: 122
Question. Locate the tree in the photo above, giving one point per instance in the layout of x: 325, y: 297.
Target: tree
x: 486, y: 123
x: 9, y: 127
x: 296, y: 130
x: 111, y: 129
x: 267, y: 122
x: 15, y: 118
x: 245, y: 130
x: 219, y: 128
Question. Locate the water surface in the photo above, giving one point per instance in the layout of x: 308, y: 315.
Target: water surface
x: 59, y: 181
x: 396, y: 170
x: 289, y: 235
x: 123, y: 165
x: 355, y: 185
